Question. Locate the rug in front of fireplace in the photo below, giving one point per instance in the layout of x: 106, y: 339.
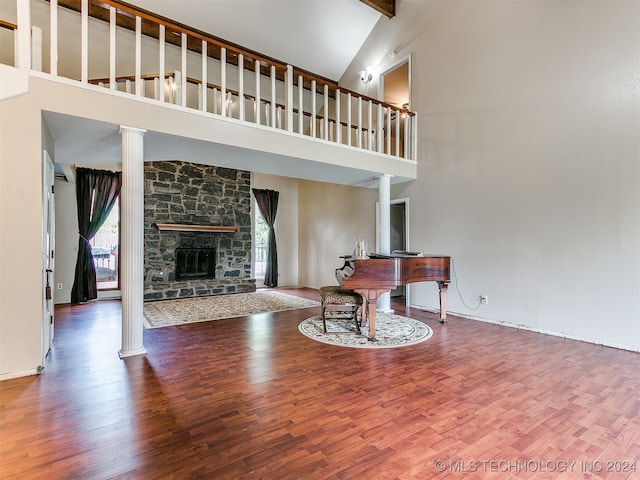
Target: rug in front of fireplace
x: 164, y: 313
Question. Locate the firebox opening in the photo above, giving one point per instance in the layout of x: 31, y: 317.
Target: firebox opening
x: 195, y: 263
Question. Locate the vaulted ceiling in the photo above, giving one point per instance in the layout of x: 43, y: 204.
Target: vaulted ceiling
x: 321, y: 36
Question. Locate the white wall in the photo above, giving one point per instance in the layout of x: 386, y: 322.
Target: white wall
x: 21, y: 259
x: 332, y: 218
x: 529, y: 171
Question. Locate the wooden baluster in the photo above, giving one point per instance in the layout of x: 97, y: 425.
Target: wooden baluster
x: 380, y: 130
x: 369, y: 145
x: 176, y: 88
x: 349, y: 118
x: 406, y: 135
x: 397, y: 133
x: 36, y: 48
x: 257, y: 100
x: 241, y: 86
x: 273, y: 96
x: 53, y: 38
x: 161, y: 45
x: 313, y: 108
x: 183, y: 78
x: 326, y: 112
x: 359, y: 122
x: 388, y: 131
x: 288, y: 99
x: 138, y: 59
x: 300, y: 105
x: 84, y: 54
x: 338, y: 124
x: 204, y: 57
x: 223, y: 81
x: 112, y: 48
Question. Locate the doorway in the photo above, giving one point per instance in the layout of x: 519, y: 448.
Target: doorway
x: 260, y: 244
x: 399, y: 236
x: 395, y: 84
x: 395, y: 89
x: 48, y: 247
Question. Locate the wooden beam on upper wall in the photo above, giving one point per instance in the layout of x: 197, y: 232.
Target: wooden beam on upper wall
x: 386, y: 7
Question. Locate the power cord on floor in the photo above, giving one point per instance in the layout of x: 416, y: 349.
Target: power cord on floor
x: 455, y: 277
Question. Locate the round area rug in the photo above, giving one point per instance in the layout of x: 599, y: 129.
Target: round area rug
x: 391, y: 331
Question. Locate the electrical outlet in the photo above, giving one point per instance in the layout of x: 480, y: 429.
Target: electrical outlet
x: 59, y: 286
x: 484, y: 299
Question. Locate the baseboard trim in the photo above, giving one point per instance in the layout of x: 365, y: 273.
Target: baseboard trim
x: 23, y: 373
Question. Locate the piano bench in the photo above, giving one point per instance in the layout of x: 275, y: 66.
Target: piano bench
x: 336, y: 299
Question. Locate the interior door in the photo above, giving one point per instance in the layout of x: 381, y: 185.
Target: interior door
x: 48, y: 248
x: 395, y: 88
x: 398, y: 226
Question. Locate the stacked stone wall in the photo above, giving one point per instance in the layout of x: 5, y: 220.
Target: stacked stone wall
x: 192, y: 194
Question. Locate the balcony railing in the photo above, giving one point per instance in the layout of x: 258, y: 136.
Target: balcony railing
x: 121, y: 48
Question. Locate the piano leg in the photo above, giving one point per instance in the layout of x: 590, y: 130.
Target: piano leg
x: 371, y: 314
x: 443, y: 301
x: 370, y: 298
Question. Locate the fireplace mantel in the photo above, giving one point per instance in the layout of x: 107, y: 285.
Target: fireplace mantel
x: 180, y: 227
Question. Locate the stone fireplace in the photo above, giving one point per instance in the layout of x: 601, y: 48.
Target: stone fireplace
x: 197, y: 230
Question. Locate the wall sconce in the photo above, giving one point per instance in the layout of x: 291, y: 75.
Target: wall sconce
x: 366, y: 75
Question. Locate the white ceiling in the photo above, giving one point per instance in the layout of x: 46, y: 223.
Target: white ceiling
x: 321, y: 36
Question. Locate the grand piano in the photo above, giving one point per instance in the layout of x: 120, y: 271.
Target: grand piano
x: 382, y: 273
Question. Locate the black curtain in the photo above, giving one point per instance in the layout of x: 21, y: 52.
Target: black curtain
x: 268, y: 205
x: 96, y: 193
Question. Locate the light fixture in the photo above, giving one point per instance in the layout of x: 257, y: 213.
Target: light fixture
x: 366, y: 75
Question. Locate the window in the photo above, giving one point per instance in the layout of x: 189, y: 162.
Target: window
x: 261, y: 239
x: 105, y: 249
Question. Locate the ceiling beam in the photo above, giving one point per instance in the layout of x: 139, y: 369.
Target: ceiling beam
x: 386, y: 7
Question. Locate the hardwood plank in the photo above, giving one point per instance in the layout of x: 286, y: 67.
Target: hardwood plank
x: 251, y: 397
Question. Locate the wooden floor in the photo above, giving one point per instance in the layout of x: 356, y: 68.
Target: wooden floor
x: 252, y: 398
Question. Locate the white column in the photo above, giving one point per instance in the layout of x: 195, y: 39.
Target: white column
x: 132, y: 241
x: 384, y: 231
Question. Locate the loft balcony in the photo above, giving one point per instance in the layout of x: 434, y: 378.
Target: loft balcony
x: 286, y: 120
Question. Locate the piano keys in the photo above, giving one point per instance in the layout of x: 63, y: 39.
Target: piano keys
x: 381, y: 273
